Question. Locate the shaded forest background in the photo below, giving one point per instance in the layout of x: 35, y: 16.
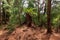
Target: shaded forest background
x: 28, y: 12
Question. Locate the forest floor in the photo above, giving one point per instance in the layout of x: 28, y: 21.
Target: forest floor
x: 28, y: 33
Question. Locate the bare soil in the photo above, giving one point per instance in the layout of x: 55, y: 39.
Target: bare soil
x: 28, y: 33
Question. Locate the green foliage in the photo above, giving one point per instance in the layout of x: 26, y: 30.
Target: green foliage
x: 15, y: 8
x: 32, y: 11
x: 55, y: 15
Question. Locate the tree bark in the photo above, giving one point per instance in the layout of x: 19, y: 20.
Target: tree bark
x: 48, y: 17
x: 38, y: 11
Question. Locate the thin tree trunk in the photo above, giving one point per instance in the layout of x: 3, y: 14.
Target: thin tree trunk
x: 20, y: 11
x: 16, y: 4
x: 0, y: 12
x: 48, y: 17
x: 4, y: 16
x: 38, y: 11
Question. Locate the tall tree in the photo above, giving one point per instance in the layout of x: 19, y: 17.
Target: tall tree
x: 38, y: 11
x: 49, y: 17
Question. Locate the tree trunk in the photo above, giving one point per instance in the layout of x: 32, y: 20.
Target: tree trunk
x: 38, y: 11
x: 48, y: 17
x: 0, y: 12
x: 16, y: 4
x: 28, y: 20
x: 4, y: 21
